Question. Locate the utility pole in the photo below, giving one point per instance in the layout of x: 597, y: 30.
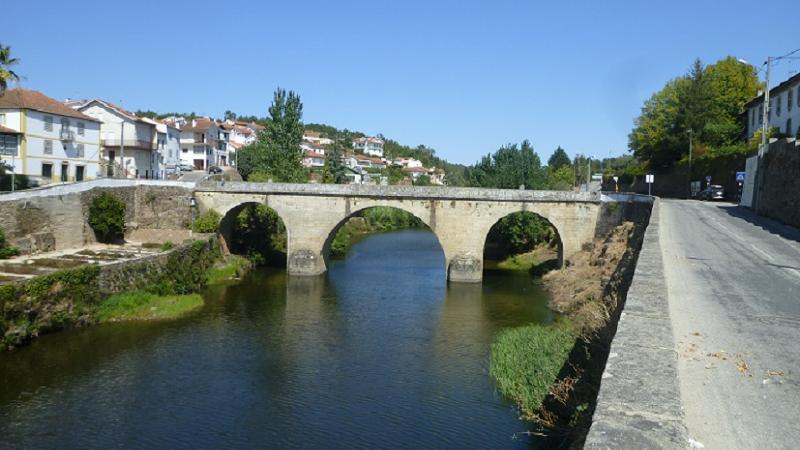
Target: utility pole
x: 122, y: 147
x: 690, y: 162
x: 765, y: 114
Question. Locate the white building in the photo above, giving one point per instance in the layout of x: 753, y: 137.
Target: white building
x: 407, y: 162
x: 370, y: 146
x: 47, y: 140
x: 316, y: 137
x: 784, y: 110
x: 168, y: 145
x: 129, y: 143
x: 200, y: 143
x: 313, y: 159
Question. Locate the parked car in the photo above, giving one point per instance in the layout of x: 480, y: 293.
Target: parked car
x: 214, y: 170
x: 187, y: 167
x: 712, y: 192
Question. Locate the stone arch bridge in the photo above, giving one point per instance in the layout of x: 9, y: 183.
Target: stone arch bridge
x: 459, y: 217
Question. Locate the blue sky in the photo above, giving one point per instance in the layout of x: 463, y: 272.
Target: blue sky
x: 463, y: 77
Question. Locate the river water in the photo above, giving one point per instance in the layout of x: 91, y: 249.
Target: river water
x: 379, y: 353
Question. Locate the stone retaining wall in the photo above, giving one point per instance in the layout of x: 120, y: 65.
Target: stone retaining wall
x: 56, y: 219
x: 639, y: 403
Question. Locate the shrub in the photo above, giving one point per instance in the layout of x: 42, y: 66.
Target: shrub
x: 6, y: 251
x: 526, y: 361
x: 167, y: 246
x: 107, y: 217
x: 208, y: 222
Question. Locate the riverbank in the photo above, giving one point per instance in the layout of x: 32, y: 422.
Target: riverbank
x: 158, y: 286
x: 553, y: 372
x: 143, y: 305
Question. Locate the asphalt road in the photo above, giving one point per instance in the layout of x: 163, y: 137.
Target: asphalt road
x: 733, y: 283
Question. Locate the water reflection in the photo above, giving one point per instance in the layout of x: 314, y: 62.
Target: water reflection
x: 381, y: 352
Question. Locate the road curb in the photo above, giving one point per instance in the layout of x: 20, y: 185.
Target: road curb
x: 639, y: 403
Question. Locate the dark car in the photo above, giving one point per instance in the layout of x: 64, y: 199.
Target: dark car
x: 712, y: 192
x: 214, y: 170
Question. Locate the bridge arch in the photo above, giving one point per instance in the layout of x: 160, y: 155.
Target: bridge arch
x: 516, y: 232
x: 266, y: 224
x: 363, y: 207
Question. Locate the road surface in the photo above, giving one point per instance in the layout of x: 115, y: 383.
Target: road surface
x: 733, y: 282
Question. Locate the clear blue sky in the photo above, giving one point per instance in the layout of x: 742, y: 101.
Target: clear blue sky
x: 462, y: 77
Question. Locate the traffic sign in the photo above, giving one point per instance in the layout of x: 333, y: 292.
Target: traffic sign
x: 740, y: 176
x: 708, y: 178
x: 649, y: 178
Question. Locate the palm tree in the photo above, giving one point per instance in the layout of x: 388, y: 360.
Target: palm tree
x: 6, y: 74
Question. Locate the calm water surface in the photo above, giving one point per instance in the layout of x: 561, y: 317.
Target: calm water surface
x: 379, y: 353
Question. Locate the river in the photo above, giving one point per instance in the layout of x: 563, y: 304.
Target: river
x: 379, y: 353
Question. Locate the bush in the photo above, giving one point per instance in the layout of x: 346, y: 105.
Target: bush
x: 208, y: 222
x: 6, y: 251
x: 107, y: 217
x: 527, y: 360
x: 167, y: 246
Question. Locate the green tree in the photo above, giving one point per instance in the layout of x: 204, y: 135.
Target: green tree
x: 509, y: 167
x: 107, y: 217
x: 6, y: 62
x: 229, y: 115
x: 707, y: 101
x: 259, y: 233
x: 334, y: 169
x: 559, y: 159
x: 422, y: 180
x: 276, y: 153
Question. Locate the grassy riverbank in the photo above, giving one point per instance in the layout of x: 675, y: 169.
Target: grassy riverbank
x: 141, y: 305
x: 144, y: 305
x: 526, y: 362
x: 553, y: 372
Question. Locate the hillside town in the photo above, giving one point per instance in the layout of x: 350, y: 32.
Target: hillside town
x: 52, y: 141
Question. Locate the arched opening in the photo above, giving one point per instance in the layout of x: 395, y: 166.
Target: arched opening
x: 380, y: 220
x: 522, y: 242
x: 256, y: 232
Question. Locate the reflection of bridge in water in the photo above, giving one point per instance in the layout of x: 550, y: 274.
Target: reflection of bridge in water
x: 459, y: 217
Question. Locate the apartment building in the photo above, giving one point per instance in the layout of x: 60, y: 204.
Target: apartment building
x: 370, y: 146
x: 47, y: 140
x: 200, y: 143
x: 783, y: 112
x: 129, y: 143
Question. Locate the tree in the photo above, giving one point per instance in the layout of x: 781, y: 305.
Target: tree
x: 707, y: 100
x: 6, y: 62
x: 229, y: 115
x: 276, y: 153
x: 422, y: 180
x: 510, y: 167
x: 334, y: 170
x: 107, y: 217
x: 559, y: 159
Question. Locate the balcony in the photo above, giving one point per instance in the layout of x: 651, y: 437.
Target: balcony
x: 129, y: 143
x: 67, y: 135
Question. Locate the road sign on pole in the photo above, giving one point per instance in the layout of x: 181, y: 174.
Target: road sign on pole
x: 740, y: 176
x: 649, y: 178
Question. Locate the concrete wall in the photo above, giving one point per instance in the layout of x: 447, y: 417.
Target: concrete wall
x: 460, y: 217
x: 56, y: 218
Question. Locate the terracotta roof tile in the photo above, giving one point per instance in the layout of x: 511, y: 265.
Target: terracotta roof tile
x: 24, y: 98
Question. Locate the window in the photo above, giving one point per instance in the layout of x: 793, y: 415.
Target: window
x: 64, y: 123
x: 47, y: 170
x: 81, y: 129
x: 2, y: 119
x: 779, y: 102
x: 48, y: 147
x: 761, y: 114
x: 789, y: 127
x: 8, y: 144
x: 48, y: 123
x: 752, y: 118
x: 81, y: 150
x: 789, y: 100
x: 185, y: 150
